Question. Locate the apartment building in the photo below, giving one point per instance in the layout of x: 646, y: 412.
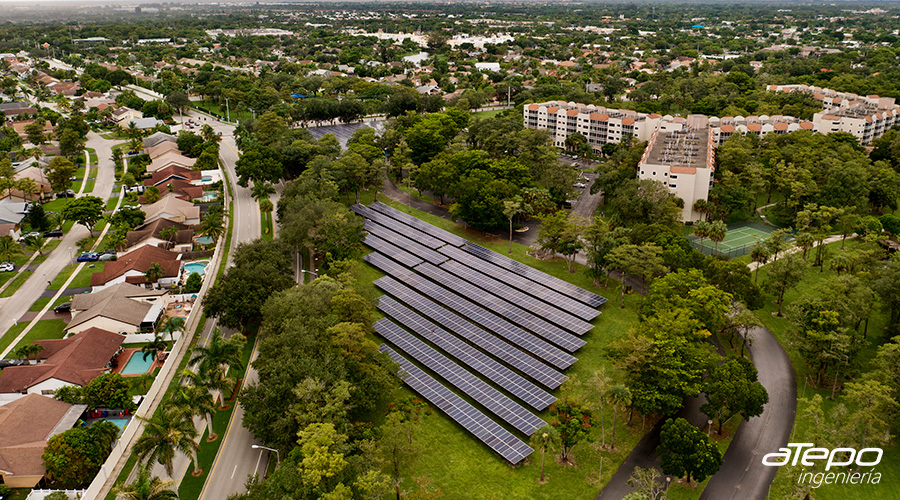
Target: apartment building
x: 600, y: 125
x: 683, y: 158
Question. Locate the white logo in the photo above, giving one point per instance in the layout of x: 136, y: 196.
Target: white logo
x: 837, y: 457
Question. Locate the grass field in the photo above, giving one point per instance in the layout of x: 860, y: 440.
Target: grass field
x: 463, y: 467
x: 488, y: 113
x: 44, y: 329
x: 783, y: 331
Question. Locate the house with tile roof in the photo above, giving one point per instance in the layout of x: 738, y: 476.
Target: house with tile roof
x: 173, y: 208
x: 73, y: 361
x: 132, y: 267
x: 26, y: 425
x: 150, y: 234
x: 172, y: 157
x: 156, y: 138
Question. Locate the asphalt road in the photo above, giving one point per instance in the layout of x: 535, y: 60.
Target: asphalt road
x: 11, y: 308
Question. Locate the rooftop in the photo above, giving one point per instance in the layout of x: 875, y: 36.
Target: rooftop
x: 688, y: 148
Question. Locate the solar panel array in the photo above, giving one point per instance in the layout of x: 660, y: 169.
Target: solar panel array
x: 493, y: 303
x: 516, y: 296
x: 552, y: 282
x: 482, y: 392
x: 495, y: 371
x: 474, y: 318
x: 489, y: 432
x: 421, y: 225
x: 489, y: 343
x: 405, y: 243
x: 522, y: 283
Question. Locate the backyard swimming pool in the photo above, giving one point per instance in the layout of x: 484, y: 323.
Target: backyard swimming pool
x: 196, y: 267
x: 121, y: 422
x: 137, y: 364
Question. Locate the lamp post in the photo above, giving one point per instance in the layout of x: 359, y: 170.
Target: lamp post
x: 709, y: 429
x: 227, y: 110
x: 314, y: 273
x: 261, y: 447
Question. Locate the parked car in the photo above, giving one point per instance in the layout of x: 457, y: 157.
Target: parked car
x: 63, y: 308
x: 579, y: 185
x: 33, y: 234
x: 53, y: 233
x: 68, y: 193
x: 12, y: 362
x: 7, y: 267
x: 88, y: 257
x: 107, y: 256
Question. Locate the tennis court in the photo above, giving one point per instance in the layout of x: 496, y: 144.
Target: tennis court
x: 738, y: 241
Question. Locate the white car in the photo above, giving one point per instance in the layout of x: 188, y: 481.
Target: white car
x: 579, y: 185
x: 7, y: 267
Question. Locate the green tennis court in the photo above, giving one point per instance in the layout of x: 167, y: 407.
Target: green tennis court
x: 738, y: 241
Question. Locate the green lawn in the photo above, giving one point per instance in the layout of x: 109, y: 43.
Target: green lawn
x: 235, y: 115
x: 783, y: 330
x: 462, y: 467
x: 44, y: 329
x: 266, y: 225
x: 487, y: 114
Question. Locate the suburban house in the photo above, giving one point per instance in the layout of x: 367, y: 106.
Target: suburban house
x: 19, y: 127
x: 173, y: 208
x: 33, y: 169
x: 123, y: 115
x: 173, y: 172
x: 13, y: 109
x: 184, y: 190
x: 142, y: 123
x: 11, y: 212
x: 112, y: 310
x: 161, y: 148
x: 150, y: 234
x: 65, y: 362
x: 156, y: 138
x: 26, y: 425
x: 172, y: 157
x: 132, y: 268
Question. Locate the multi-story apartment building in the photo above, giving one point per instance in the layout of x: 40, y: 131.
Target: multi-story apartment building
x: 683, y: 158
x: 672, y: 157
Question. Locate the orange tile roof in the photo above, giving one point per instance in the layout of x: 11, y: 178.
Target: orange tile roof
x: 727, y: 128
x: 572, y: 112
x: 627, y: 121
x: 683, y: 170
x: 806, y: 125
x: 781, y: 126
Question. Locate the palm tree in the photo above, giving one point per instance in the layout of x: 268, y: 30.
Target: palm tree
x: 544, y: 439
x: 261, y: 189
x: 168, y: 233
x: 145, y: 487
x: 28, y: 187
x: 28, y: 350
x: 213, y: 226
x: 9, y: 248
x: 218, y: 355
x: 170, y: 429
x: 197, y: 401
x: 618, y: 395
x: 172, y: 324
x: 117, y: 239
x: 760, y: 255
x: 214, y: 381
x: 154, y: 273
x: 154, y: 347
x: 35, y: 243
x: 266, y: 206
x: 717, y: 232
x: 701, y: 230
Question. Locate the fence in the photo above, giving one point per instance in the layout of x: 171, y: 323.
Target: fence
x: 110, y: 469
x: 41, y: 494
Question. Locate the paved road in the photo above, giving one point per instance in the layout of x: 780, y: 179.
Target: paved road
x: 743, y: 476
x: 11, y: 308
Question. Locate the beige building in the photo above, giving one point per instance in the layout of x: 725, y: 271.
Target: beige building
x: 683, y: 160
x: 598, y: 124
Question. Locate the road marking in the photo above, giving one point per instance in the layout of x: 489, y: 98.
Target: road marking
x: 233, y: 472
x: 256, y: 469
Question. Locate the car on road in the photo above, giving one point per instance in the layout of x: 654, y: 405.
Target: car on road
x: 63, y: 308
x: 579, y: 185
x: 88, y: 257
x: 7, y: 267
x: 53, y: 233
x: 68, y: 193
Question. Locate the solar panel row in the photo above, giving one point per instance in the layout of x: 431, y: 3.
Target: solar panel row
x: 401, y: 228
x: 489, y: 432
x: 552, y: 282
x: 405, y: 243
x: 515, y: 296
x: 495, y: 371
x: 492, y: 399
x: 512, y: 333
x: 422, y: 226
x: 493, y: 303
x: 524, y: 284
x: 479, y: 337
x: 386, y: 248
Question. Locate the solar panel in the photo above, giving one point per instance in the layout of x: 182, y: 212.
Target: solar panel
x: 499, y: 306
x: 477, y: 314
x: 489, y: 432
x: 524, y: 284
x: 421, y: 225
x: 517, y: 359
x: 405, y: 243
x: 385, y: 264
x: 518, y: 297
x: 493, y: 370
x: 401, y: 228
x: 552, y: 282
x: 492, y: 399
x: 386, y: 248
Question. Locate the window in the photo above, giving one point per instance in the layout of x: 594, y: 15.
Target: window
x: 673, y: 176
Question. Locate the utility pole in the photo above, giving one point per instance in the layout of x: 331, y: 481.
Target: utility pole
x: 227, y: 111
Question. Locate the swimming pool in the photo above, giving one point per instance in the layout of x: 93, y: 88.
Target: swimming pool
x: 204, y: 240
x: 137, y: 364
x: 121, y: 422
x: 196, y: 267
x: 210, y: 195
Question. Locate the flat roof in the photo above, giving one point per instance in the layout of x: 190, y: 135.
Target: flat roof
x: 687, y: 148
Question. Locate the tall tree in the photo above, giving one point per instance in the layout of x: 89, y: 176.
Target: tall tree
x: 59, y: 172
x: 544, y: 439
x: 618, y: 396
x: 170, y: 429
x: 732, y: 389
x: 685, y: 451
x: 717, y: 232
x: 145, y: 487
x: 784, y: 274
x: 87, y: 211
